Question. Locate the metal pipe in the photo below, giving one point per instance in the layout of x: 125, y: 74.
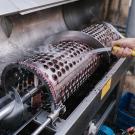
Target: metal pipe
x: 7, y: 105
x: 94, y: 128
x: 30, y: 94
x: 6, y: 110
x: 51, y: 117
x: 107, y: 112
x: 38, y: 131
x: 4, y: 100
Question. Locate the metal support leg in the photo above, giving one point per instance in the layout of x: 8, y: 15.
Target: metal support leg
x: 119, y: 88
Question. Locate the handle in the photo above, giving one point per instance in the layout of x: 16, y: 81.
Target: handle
x: 117, y: 48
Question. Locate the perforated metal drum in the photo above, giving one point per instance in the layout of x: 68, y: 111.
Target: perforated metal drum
x: 61, y: 67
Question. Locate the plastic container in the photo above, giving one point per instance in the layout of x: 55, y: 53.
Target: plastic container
x: 126, y: 111
x: 105, y: 130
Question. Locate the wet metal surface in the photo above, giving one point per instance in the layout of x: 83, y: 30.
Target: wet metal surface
x: 65, y: 65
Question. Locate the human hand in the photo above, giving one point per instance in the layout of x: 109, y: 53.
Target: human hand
x: 126, y: 45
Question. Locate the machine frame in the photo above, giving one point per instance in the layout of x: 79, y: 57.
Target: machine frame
x: 109, y: 87
x: 83, y: 116
x: 77, y: 122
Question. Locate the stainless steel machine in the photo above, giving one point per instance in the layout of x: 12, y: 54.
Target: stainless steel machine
x: 50, y: 83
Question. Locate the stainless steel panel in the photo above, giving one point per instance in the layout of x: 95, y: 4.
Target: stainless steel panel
x: 17, y: 6
x: 7, y: 7
x: 24, y: 4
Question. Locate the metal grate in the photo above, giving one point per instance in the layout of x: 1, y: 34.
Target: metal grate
x: 103, y: 32
x: 65, y: 68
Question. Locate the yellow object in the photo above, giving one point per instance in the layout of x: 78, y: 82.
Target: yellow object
x: 106, y: 88
x: 117, y: 48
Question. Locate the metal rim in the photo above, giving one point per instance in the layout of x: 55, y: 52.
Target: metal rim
x: 14, y: 65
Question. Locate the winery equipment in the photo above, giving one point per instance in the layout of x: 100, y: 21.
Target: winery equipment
x: 56, y: 86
